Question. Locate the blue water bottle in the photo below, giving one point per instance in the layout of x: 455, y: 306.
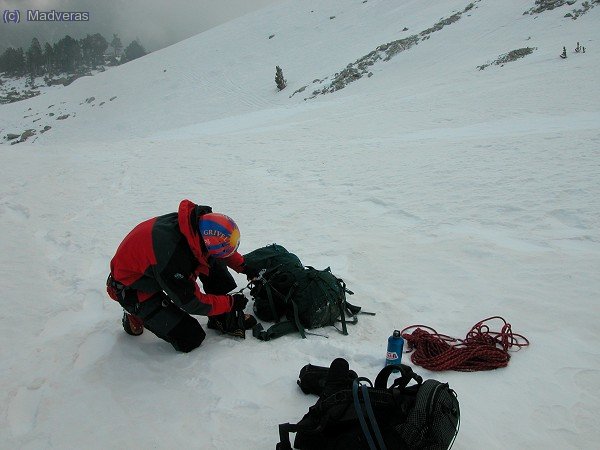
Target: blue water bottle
x: 394, y: 349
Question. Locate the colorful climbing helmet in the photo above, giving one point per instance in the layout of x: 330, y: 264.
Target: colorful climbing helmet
x: 220, y: 234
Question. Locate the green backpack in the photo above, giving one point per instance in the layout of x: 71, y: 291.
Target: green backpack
x: 308, y: 298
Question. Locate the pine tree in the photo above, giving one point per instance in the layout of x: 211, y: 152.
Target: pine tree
x: 279, y: 80
x: 34, y: 58
x: 134, y: 51
x: 563, y: 55
x: 116, y: 45
x: 67, y: 54
x: 93, y: 47
x: 48, y: 59
x: 19, y: 62
x: 12, y: 62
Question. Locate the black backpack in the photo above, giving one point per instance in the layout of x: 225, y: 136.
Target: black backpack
x: 354, y: 414
x: 283, y: 287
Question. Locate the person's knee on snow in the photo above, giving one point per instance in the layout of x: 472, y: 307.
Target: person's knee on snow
x: 187, y: 335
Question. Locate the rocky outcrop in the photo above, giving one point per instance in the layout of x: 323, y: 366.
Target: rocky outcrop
x: 548, y: 5
x: 22, y: 138
x: 511, y: 56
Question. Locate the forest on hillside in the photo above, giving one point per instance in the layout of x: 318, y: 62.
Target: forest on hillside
x: 68, y: 55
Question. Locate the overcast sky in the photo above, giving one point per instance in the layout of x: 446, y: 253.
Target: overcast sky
x: 157, y: 23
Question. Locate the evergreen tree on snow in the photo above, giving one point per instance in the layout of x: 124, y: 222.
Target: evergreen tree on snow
x: 35, y: 58
x: 134, y: 51
x: 279, y: 80
x: 116, y: 44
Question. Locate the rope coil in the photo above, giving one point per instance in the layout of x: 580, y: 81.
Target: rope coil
x: 481, y: 349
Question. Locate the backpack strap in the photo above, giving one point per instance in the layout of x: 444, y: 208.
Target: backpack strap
x: 361, y: 415
x: 349, y: 308
x: 371, y: 415
x: 284, y: 436
x: 406, y: 372
x: 274, y: 331
x: 355, y: 310
x: 343, y: 313
x: 343, y: 304
x: 297, y: 317
x: 267, y: 286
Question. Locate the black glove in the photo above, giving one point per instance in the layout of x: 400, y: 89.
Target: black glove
x: 238, y: 302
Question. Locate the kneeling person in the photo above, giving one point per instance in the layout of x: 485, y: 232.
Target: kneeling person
x: 154, y: 271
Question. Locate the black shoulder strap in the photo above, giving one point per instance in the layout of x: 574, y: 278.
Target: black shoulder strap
x: 406, y: 372
x: 369, y: 413
x: 284, y: 436
x: 263, y: 278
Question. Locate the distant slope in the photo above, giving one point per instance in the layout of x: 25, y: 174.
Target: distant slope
x: 229, y: 70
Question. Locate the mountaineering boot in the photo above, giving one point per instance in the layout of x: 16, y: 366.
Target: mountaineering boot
x: 217, y: 322
x: 249, y: 321
x: 132, y: 325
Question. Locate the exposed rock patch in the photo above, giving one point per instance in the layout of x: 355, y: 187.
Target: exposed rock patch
x: 548, y: 5
x: 511, y: 56
x: 23, y: 137
x: 14, y: 96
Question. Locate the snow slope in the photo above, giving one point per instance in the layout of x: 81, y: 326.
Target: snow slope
x: 442, y: 194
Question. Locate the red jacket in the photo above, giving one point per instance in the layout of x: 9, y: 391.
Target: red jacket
x: 167, y: 254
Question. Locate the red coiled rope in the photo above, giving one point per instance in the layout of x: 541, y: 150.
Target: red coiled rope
x: 481, y: 349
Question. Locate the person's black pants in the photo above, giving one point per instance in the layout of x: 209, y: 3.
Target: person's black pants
x: 170, y: 323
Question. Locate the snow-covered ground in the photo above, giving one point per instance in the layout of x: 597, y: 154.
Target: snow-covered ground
x: 442, y: 194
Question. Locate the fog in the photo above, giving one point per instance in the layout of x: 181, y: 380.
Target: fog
x: 156, y: 23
